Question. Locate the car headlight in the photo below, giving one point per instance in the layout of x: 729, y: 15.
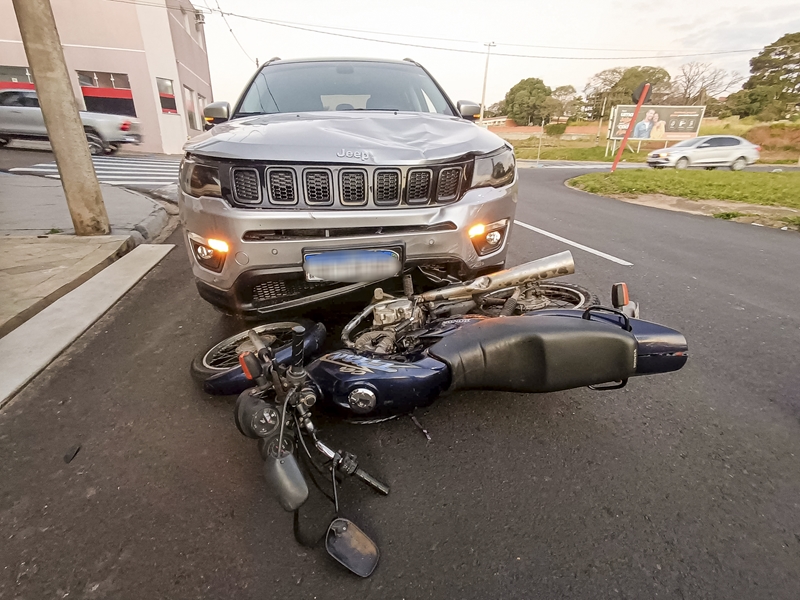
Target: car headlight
x: 496, y: 170
x: 200, y: 180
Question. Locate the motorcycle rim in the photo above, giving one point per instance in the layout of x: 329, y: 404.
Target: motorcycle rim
x: 225, y: 355
x: 552, y: 295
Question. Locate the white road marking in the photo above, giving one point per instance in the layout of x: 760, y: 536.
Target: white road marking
x: 143, y: 172
x: 619, y: 261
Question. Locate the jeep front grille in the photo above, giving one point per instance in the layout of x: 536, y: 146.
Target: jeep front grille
x: 281, y: 186
x: 246, y: 187
x: 418, y: 188
x: 319, y: 190
x: 330, y: 186
x: 281, y: 290
x: 449, y: 184
x: 354, y: 188
x: 387, y: 188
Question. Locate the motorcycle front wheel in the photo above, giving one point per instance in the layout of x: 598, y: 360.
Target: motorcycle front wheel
x: 225, y: 354
x: 540, y: 296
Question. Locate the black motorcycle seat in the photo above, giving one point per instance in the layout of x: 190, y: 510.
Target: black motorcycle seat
x: 522, y: 354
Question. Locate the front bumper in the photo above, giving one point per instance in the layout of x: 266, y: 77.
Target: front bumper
x: 258, y: 271
x: 661, y: 161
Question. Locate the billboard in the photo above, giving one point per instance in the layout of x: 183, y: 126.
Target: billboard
x: 657, y: 122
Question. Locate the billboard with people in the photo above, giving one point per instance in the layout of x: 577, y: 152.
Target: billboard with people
x: 657, y: 122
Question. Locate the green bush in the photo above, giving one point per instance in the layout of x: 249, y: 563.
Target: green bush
x: 555, y: 128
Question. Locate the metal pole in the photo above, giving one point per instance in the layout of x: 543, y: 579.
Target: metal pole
x: 630, y: 126
x: 64, y: 127
x: 600, y: 124
x: 489, y: 47
x: 539, y: 153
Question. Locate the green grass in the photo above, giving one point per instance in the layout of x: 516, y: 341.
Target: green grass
x: 766, y: 189
x: 53, y: 231
x: 792, y: 221
x: 727, y: 216
x: 573, y: 153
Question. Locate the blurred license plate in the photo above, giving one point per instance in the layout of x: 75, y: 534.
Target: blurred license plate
x: 351, y: 266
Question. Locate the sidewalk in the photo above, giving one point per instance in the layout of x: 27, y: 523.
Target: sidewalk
x: 40, y: 257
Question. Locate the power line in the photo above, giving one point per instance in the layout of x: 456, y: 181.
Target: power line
x: 231, y: 30
x: 319, y: 30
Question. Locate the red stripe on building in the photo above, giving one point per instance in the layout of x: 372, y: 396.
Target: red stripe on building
x: 17, y: 85
x: 98, y: 92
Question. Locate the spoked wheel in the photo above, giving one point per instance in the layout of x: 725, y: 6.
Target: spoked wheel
x: 540, y: 296
x: 225, y: 355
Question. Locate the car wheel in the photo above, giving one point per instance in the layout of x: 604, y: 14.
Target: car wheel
x: 96, y: 145
x: 112, y: 149
x: 739, y: 164
x: 682, y: 163
x: 4, y: 141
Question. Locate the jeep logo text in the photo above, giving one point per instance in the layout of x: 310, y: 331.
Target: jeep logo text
x: 359, y: 154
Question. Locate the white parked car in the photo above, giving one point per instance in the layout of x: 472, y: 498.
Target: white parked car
x: 21, y: 119
x: 709, y: 151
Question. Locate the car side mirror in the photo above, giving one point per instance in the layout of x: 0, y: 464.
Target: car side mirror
x: 468, y: 110
x: 216, y: 113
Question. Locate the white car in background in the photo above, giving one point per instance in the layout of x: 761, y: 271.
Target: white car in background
x: 708, y: 151
x: 22, y: 119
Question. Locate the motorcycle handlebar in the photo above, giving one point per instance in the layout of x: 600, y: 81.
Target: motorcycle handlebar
x: 378, y: 486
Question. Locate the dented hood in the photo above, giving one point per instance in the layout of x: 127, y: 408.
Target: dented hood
x: 365, y: 137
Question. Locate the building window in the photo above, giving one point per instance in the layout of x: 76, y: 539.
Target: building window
x: 107, y: 92
x: 166, y: 94
x: 15, y: 77
x: 191, y: 113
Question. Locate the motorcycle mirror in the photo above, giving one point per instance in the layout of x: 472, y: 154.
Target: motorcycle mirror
x: 351, y: 547
x: 284, y: 477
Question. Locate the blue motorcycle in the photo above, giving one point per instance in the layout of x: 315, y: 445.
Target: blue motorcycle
x: 507, y: 331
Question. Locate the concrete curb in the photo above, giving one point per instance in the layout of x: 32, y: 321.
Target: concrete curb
x: 36, y: 343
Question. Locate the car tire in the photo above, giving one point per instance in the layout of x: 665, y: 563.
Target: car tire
x: 4, y: 141
x: 97, y: 147
x: 682, y: 163
x: 739, y: 164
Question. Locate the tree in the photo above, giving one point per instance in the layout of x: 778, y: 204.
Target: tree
x: 525, y: 100
x: 498, y: 109
x: 616, y: 86
x: 697, y: 82
x: 778, y: 66
x: 565, y: 100
x: 762, y: 101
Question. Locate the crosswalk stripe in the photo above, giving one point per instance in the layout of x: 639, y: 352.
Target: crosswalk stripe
x: 143, y: 172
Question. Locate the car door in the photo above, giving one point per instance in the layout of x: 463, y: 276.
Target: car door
x: 731, y: 150
x: 10, y: 112
x: 707, y: 152
x: 31, y: 118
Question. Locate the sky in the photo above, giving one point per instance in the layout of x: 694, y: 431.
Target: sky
x: 599, y: 35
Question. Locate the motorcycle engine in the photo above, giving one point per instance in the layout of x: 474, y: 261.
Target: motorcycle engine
x: 388, y: 320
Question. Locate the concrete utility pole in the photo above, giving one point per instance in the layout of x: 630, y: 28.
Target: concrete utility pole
x: 489, y: 47
x: 64, y: 128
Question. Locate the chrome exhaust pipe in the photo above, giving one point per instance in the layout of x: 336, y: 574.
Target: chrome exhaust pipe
x: 548, y: 267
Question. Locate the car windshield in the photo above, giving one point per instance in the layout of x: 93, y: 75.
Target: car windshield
x: 688, y: 143
x: 342, y: 85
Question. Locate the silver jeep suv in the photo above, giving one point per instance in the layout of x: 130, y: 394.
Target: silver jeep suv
x: 331, y: 174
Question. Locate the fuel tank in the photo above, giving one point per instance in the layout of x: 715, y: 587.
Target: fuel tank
x: 359, y: 385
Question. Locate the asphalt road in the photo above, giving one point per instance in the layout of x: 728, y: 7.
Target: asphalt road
x: 679, y: 486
